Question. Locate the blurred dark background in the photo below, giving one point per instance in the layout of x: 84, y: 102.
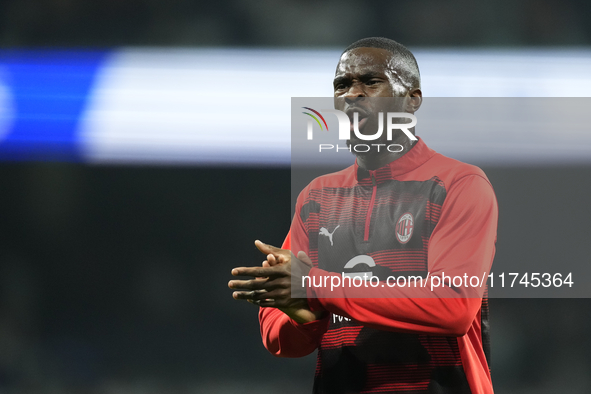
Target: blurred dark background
x: 302, y: 23
x: 114, y: 278
x: 117, y: 275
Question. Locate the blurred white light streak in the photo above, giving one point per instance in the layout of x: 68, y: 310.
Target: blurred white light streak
x: 232, y: 107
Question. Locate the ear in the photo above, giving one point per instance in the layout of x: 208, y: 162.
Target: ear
x: 415, y: 100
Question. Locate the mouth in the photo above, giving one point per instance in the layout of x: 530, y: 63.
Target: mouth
x: 361, y: 120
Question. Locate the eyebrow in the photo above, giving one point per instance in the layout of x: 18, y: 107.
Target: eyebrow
x: 365, y: 76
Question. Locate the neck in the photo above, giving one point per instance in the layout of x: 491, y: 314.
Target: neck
x: 375, y: 160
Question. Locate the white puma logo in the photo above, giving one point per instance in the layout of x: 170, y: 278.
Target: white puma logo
x: 324, y: 231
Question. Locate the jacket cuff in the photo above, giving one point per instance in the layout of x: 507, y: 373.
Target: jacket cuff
x: 313, y: 327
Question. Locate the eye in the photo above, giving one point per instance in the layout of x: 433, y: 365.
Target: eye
x: 372, y: 82
x: 340, y: 86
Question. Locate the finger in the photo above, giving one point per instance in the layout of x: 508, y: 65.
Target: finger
x: 277, y: 294
x: 283, y: 258
x: 258, y: 271
x: 263, y: 286
x: 264, y: 302
x: 303, y: 257
x: 241, y: 295
x: 278, y: 288
x: 271, y: 259
x: 274, y: 302
x: 266, y: 249
x: 253, y: 284
x: 247, y: 295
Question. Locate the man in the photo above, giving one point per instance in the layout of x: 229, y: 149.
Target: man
x: 413, y: 213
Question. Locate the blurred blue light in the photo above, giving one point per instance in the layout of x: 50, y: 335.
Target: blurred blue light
x: 227, y: 106
x: 48, y: 91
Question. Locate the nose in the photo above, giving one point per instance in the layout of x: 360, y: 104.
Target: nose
x: 355, y: 92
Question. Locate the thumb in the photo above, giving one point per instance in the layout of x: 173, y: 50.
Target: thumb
x: 266, y: 249
x: 303, y: 257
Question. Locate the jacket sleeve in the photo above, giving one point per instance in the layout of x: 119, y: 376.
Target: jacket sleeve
x: 284, y: 337
x: 462, y: 244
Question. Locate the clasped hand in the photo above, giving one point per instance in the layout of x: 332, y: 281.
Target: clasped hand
x: 271, y: 285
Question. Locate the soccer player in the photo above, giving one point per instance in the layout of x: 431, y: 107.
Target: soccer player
x: 413, y: 213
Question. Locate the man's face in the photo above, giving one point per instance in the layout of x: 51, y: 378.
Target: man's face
x: 362, y: 75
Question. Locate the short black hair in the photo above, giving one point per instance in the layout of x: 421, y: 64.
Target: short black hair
x: 407, y: 64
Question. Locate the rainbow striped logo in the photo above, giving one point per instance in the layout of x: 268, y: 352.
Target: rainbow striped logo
x: 316, y: 119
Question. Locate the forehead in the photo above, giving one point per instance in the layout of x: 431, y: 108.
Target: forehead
x: 362, y: 60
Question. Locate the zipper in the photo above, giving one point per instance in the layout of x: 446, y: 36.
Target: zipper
x: 370, y: 207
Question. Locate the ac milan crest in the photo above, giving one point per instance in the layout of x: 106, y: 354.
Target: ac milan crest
x: 404, y: 228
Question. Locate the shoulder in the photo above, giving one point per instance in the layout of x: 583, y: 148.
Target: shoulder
x: 452, y: 171
x: 342, y: 178
x: 467, y: 186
